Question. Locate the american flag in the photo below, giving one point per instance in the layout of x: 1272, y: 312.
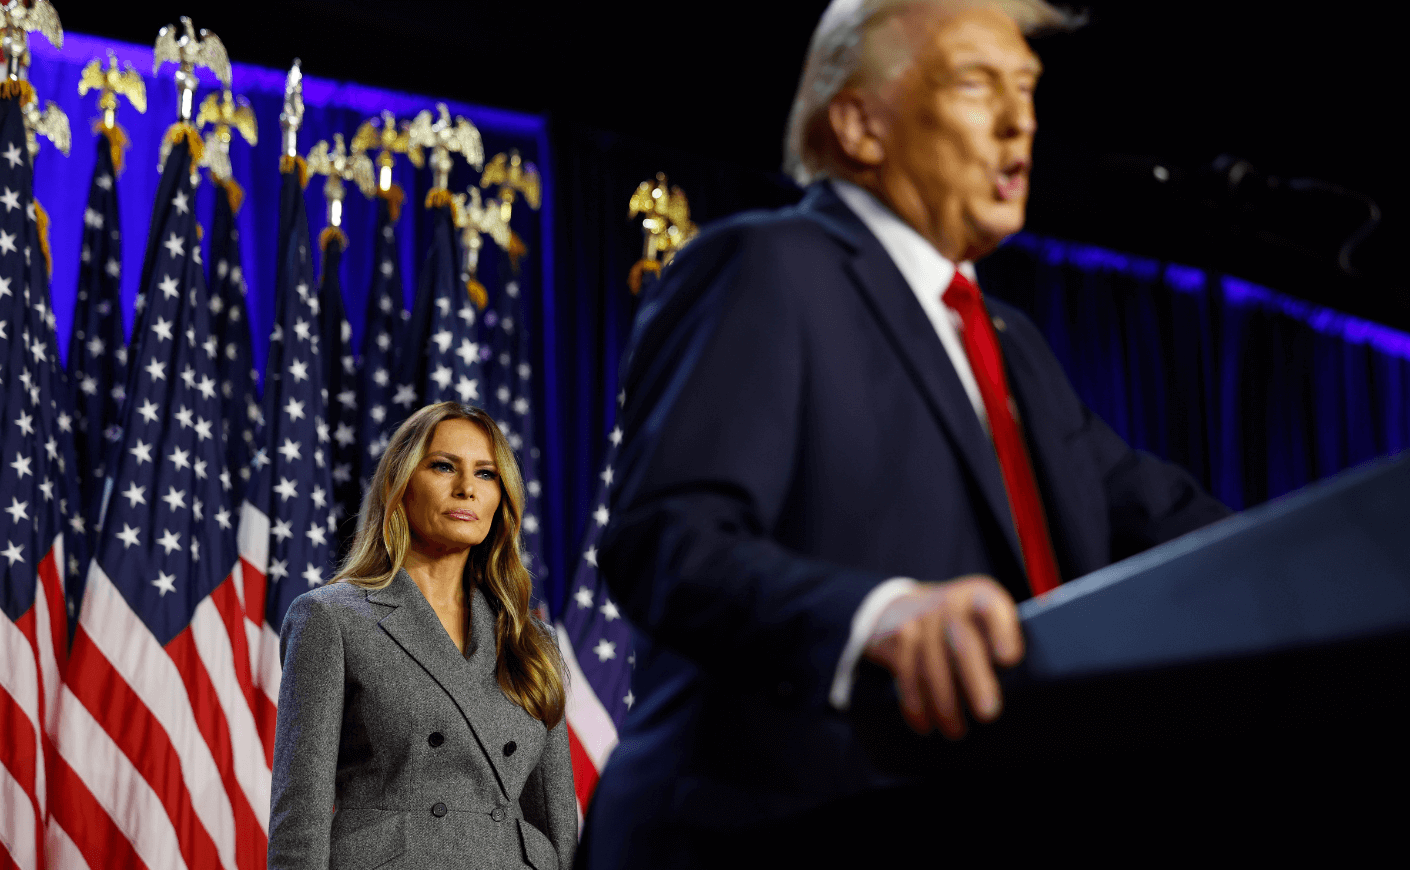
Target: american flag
x: 97, y: 362
x: 230, y: 324
x: 287, y: 539
x: 37, y: 488
x: 509, y: 400
x: 383, y: 335
x: 340, y: 369
x: 596, y: 643
x: 160, y: 763
x: 441, y: 361
x: 456, y: 350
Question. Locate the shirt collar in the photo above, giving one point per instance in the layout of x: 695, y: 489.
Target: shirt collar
x: 925, y: 269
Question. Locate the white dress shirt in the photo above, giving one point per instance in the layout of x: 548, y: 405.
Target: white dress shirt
x: 928, y: 273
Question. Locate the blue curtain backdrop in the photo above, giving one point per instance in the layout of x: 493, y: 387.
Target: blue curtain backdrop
x: 1253, y: 391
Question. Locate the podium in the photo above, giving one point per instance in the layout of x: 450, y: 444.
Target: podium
x: 1279, y: 638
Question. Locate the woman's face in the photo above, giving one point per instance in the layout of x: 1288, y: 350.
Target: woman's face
x: 453, y: 495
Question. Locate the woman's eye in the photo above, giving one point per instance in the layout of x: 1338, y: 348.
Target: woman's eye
x: 488, y: 474
x: 442, y: 466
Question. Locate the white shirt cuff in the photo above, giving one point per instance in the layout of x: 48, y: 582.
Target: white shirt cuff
x: 863, y: 623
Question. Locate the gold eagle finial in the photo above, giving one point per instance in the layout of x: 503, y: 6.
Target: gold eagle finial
x: 513, y: 175
x: 110, y: 83
x: 224, y: 111
x: 443, y: 137
x: 485, y: 218
x: 666, y: 226
x: 17, y: 20
x: 338, y: 165
x: 51, y: 123
x: 183, y: 48
x: 389, y: 139
x: 475, y: 219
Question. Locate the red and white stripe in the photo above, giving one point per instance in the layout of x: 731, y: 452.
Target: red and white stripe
x: 263, y: 639
x: 591, y: 734
x: 159, y: 760
x: 32, y: 658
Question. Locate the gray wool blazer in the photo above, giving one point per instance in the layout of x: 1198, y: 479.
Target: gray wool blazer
x: 394, y: 750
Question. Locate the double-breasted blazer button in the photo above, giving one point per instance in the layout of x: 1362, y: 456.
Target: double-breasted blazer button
x: 509, y: 748
x: 497, y: 814
x: 436, y: 739
x: 439, y: 810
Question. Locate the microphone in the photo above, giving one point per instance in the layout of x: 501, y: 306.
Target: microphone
x: 1233, y: 184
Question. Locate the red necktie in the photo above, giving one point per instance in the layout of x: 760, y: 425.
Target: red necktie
x: 981, y: 345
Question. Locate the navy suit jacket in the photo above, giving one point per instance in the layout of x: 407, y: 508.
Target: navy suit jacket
x: 794, y: 434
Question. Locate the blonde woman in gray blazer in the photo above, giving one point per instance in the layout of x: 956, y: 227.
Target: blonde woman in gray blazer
x: 421, y: 709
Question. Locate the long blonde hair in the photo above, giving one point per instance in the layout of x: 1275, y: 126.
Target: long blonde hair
x: 528, y: 665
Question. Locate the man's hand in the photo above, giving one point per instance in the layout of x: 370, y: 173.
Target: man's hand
x: 944, y: 639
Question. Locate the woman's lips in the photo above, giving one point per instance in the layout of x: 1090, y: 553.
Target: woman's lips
x: 468, y: 516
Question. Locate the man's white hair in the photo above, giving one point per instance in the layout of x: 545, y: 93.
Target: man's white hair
x: 853, y: 45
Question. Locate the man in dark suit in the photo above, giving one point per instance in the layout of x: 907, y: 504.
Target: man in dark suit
x: 836, y: 449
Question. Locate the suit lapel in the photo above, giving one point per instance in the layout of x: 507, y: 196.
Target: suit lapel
x: 413, y: 624
x: 912, y: 336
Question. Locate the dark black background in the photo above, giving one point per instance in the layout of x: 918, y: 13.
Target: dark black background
x: 1295, y: 94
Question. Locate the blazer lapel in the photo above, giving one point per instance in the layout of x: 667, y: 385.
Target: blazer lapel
x: 912, y: 336
x: 413, y: 624
x: 495, y: 726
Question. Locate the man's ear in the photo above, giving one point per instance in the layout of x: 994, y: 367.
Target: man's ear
x: 857, y: 131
